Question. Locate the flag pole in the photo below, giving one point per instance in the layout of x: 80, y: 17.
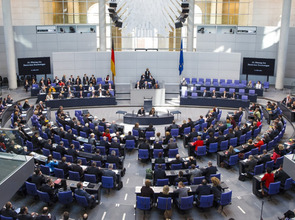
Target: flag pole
x: 113, y: 64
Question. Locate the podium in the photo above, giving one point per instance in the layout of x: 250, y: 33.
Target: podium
x: 148, y: 104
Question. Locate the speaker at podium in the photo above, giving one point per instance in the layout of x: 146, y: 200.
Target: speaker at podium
x: 147, y: 104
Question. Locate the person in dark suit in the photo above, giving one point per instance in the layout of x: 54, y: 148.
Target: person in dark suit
x: 172, y: 126
x: 64, y: 166
x: 205, y: 93
x: 69, y: 136
x: 129, y: 136
x: 144, y: 144
x: 25, y: 215
x: 45, y: 215
x: 160, y: 159
x: 178, y: 160
x: 203, y: 190
x: 147, y: 73
x: 180, y: 178
x: 49, y: 188
x: 37, y: 178
x: 172, y: 144
x: 230, y: 134
x: 209, y: 170
x: 109, y: 172
x: 8, y: 211
x: 192, y: 135
x: 200, y: 121
x: 250, y: 164
x: 72, y: 152
x: 115, y: 143
x: 94, y: 170
x: 90, y: 198
x: 97, y: 156
x: 85, y: 79
x: 211, y: 139
x: 77, y: 168
x: 141, y: 112
x: 238, y: 132
x: 159, y: 173
x: 114, y: 159
x: 281, y: 175
x: 158, y: 145
x: 103, y: 123
x: 60, y: 148
x: 265, y: 157
x: 146, y: 190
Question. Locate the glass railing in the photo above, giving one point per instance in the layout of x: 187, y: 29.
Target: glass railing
x: 11, y: 141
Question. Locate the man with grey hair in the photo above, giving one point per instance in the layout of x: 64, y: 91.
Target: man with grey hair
x: 61, y: 148
x: 250, y: 164
x: 110, y: 172
x: 114, y: 159
x: 91, y: 139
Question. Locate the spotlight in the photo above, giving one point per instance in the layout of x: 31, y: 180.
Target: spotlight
x: 111, y: 10
x: 185, y: 10
x: 119, y: 24
x: 113, y: 5
x: 178, y: 24
x: 184, y: 4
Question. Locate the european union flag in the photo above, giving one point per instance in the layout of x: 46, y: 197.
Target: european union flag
x: 180, y: 60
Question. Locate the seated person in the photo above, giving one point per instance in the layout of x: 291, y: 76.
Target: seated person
x: 198, y: 142
x: 216, y: 189
x: 180, y: 178
x: 207, y: 171
x: 159, y: 173
x: 247, y: 147
x: 281, y: 175
x: 81, y: 192
x: 110, y: 173
x: 7, y: 211
x: 146, y: 190
x: 160, y: 159
x: 49, y: 188
x: 182, y: 191
x: 152, y: 112
x: 141, y: 112
x: 114, y: 159
x: 266, y: 180
x: 177, y: 160
x: 250, y: 164
x: 78, y: 168
x: 195, y: 172
x: 205, y: 93
x: 203, y: 190
x: 224, y: 95
x: 213, y: 94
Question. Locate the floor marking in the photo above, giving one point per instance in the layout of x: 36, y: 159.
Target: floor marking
x: 126, y: 196
x: 242, y: 210
x: 256, y: 204
x: 128, y: 165
x: 104, y: 214
x: 143, y: 181
x: 239, y: 197
x: 124, y: 215
x: 127, y: 181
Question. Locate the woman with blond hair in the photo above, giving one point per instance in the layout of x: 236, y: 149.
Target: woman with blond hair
x: 165, y: 192
x: 216, y: 188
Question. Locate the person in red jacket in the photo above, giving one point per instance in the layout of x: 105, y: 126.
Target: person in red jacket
x: 198, y: 142
x: 267, y: 179
x: 259, y: 143
x: 107, y: 134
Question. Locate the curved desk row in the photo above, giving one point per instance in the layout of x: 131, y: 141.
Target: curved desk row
x: 77, y: 102
x: 6, y: 114
x: 288, y: 113
x: 259, y: 92
x: 146, y: 120
x: 204, y: 101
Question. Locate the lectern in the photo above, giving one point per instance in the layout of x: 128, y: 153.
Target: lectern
x: 148, y: 104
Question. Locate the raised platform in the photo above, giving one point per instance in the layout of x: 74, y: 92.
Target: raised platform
x: 288, y: 113
x: 78, y: 102
x: 138, y: 95
x: 146, y: 120
x: 203, y: 101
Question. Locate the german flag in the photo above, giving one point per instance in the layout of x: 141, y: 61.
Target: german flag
x: 113, y: 66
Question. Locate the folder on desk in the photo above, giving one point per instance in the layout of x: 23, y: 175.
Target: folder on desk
x: 236, y: 150
x: 85, y: 184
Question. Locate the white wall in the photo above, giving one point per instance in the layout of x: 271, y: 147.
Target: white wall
x: 268, y: 13
x: 163, y: 65
x: 30, y: 44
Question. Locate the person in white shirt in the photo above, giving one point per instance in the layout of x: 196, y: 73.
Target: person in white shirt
x: 91, y: 88
x: 49, y: 96
x: 258, y: 85
x: 70, y: 95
